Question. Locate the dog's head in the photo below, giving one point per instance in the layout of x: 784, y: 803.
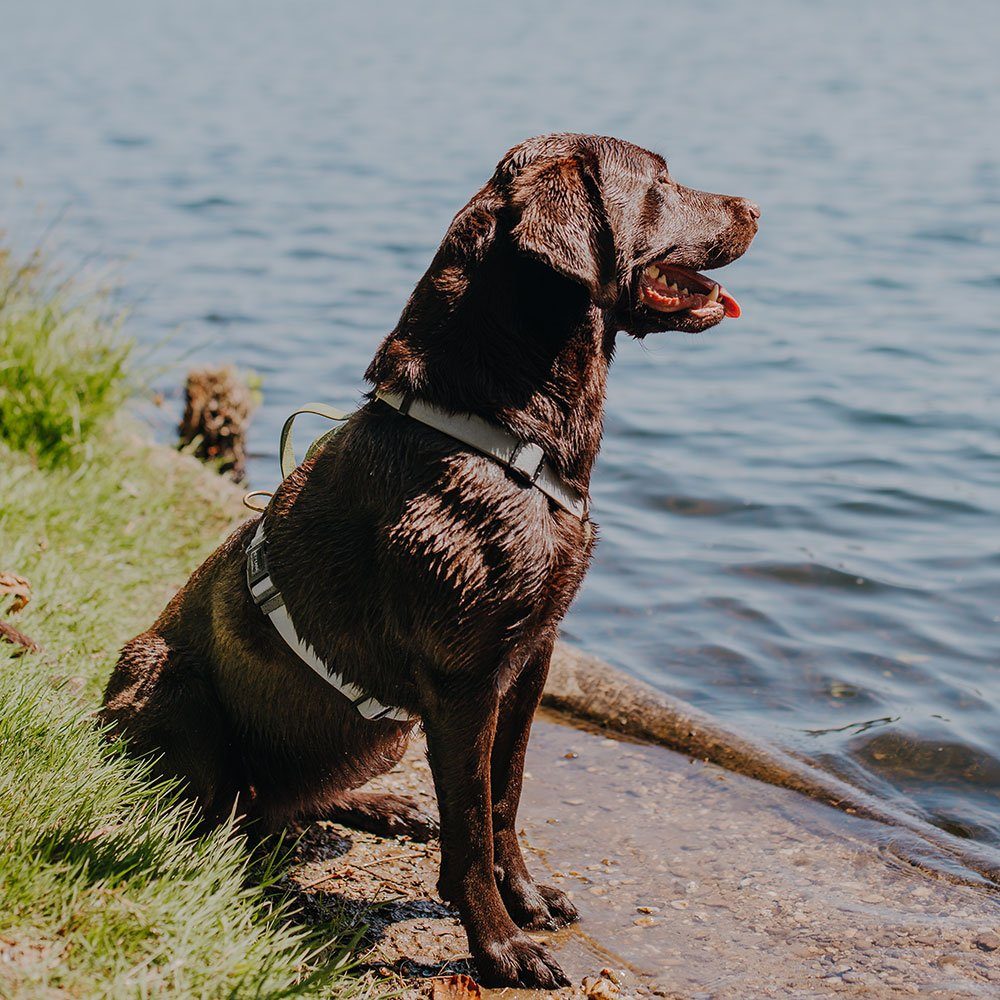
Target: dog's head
x: 608, y: 215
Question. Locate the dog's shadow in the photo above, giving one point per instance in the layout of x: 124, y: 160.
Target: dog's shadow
x: 409, y: 968
x: 362, y: 905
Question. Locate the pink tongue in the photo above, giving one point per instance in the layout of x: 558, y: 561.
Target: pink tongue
x: 730, y: 304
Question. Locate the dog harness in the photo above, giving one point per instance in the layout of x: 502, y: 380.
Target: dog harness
x: 267, y: 597
x: 525, y: 459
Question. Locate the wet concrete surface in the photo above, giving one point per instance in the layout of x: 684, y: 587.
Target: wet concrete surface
x: 692, y: 882
x: 586, y: 688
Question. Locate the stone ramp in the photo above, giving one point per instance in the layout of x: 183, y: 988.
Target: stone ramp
x: 693, y: 881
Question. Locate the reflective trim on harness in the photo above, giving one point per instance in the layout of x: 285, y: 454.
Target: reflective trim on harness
x: 524, y: 458
x: 267, y: 597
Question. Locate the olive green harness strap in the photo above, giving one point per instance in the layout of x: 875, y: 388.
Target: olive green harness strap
x: 287, y: 450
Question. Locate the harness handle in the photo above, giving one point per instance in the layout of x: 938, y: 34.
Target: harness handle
x: 250, y: 500
x: 286, y: 449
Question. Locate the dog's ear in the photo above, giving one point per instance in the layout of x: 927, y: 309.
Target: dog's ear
x: 473, y: 229
x: 561, y: 219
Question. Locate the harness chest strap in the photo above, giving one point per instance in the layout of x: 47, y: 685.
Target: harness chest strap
x: 267, y: 597
x: 525, y: 459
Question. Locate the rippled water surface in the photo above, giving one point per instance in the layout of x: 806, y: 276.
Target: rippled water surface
x: 799, y: 510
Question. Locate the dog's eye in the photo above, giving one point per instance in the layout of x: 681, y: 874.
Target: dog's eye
x: 663, y: 177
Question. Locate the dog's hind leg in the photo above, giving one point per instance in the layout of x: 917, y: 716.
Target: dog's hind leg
x: 161, y: 703
x: 530, y: 904
x: 383, y: 813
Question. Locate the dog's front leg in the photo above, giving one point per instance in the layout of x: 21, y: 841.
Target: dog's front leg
x: 529, y: 903
x: 460, y: 726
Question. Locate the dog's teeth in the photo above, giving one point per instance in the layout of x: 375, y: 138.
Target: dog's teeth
x: 661, y: 280
x: 652, y: 272
x: 713, y: 295
x: 673, y: 287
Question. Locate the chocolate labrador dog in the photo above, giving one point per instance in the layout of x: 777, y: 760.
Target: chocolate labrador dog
x: 428, y: 574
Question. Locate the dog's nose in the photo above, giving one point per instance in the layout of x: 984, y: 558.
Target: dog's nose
x: 752, y: 207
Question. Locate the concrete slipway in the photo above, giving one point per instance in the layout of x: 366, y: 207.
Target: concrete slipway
x: 693, y: 880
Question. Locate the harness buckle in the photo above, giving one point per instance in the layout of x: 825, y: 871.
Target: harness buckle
x: 256, y: 562
x: 527, y: 460
x: 266, y: 597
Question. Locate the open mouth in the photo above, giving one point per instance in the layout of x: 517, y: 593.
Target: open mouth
x: 668, y: 288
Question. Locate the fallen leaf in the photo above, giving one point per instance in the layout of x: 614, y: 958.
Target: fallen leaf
x: 455, y: 988
x: 600, y: 988
x: 10, y: 634
x: 11, y: 583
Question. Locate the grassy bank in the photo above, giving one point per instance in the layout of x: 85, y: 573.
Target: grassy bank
x: 103, y: 892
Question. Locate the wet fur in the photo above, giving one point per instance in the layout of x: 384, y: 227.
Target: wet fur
x: 426, y: 573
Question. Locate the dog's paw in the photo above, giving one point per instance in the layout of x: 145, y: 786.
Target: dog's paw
x: 561, y: 907
x: 519, y: 961
x: 538, y: 907
x: 405, y: 816
x: 385, y: 814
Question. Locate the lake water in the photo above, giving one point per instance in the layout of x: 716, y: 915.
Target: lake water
x: 799, y: 509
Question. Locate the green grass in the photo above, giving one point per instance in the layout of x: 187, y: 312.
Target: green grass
x: 104, y: 892
x: 64, y: 366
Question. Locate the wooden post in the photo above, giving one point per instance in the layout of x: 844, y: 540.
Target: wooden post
x: 217, y: 409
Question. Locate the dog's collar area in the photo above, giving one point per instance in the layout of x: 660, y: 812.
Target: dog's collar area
x: 268, y: 598
x: 525, y: 459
